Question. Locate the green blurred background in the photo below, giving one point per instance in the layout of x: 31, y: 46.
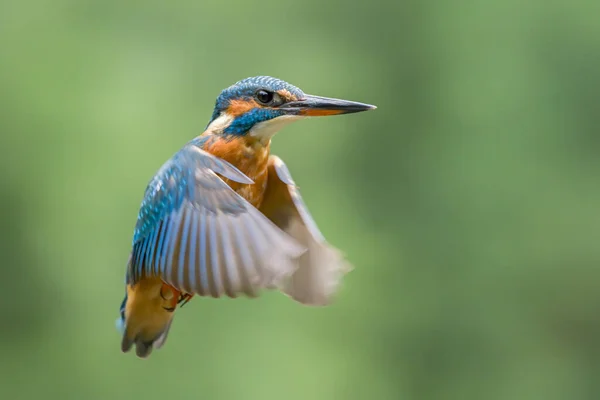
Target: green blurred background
x: 469, y: 202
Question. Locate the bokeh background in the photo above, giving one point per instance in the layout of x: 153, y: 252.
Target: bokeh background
x: 469, y: 201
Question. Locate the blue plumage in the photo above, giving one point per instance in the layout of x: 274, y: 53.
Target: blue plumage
x: 245, y: 122
x: 160, y: 200
x: 164, y: 193
x: 246, y: 88
x: 161, y: 241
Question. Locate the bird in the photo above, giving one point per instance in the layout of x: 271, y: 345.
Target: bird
x: 224, y: 218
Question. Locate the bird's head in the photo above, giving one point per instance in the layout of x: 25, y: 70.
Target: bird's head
x: 260, y: 106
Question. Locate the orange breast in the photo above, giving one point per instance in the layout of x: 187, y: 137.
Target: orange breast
x: 250, y: 157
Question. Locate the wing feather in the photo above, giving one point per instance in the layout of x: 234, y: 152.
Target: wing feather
x: 202, y: 237
x: 190, y: 277
x: 173, y: 241
x: 153, y: 242
x: 202, y: 284
x: 161, y: 254
x: 247, y: 266
x: 154, y: 260
x: 321, y: 267
x: 184, y: 251
x: 215, y: 273
x: 230, y: 274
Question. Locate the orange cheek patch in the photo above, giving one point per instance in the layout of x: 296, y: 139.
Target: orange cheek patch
x: 315, y: 112
x: 239, y: 107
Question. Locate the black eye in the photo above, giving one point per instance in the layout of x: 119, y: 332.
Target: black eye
x: 264, y: 96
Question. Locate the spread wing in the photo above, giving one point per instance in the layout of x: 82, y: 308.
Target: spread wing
x: 322, y: 267
x: 201, y: 237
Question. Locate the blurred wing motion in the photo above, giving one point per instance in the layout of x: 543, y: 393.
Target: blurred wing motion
x: 322, y: 266
x: 201, y: 237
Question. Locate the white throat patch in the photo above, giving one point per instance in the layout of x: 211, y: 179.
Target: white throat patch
x: 265, y: 130
x: 262, y: 131
x: 220, y: 123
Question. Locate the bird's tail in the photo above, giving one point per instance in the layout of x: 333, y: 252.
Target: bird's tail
x: 146, y: 316
x: 144, y: 348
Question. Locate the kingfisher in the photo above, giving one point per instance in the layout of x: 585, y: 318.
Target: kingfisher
x: 224, y: 218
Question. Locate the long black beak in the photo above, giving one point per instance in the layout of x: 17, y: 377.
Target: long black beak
x: 316, y: 106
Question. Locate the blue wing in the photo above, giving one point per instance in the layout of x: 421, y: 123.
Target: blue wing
x: 201, y: 237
